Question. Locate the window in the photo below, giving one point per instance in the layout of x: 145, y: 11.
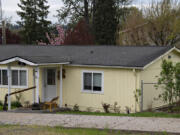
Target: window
x: 51, y: 76
x: 92, y: 81
x: 19, y: 77
x: 15, y: 77
x: 3, y: 77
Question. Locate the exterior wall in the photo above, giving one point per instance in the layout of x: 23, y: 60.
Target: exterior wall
x: 119, y: 86
x: 26, y: 96
x: 149, y: 76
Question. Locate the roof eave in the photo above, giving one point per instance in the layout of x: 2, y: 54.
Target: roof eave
x: 104, y: 66
x: 160, y: 57
x: 14, y: 59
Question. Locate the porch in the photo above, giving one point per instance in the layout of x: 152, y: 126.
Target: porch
x: 46, y: 78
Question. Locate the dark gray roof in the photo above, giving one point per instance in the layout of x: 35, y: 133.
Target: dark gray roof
x: 124, y: 56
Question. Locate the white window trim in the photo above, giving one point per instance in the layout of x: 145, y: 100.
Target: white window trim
x: 17, y: 86
x: 88, y: 91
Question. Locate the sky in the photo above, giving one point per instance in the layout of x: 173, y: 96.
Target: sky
x: 10, y: 7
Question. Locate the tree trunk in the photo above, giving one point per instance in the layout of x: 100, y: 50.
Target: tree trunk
x: 86, y: 12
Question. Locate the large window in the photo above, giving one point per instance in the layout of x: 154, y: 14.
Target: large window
x: 19, y: 77
x: 92, y: 82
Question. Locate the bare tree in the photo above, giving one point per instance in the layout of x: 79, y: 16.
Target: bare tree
x: 159, y: 24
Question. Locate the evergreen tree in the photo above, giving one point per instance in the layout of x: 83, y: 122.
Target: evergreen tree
x: 105, y: 22
x: 33, y: 20
x: 42, y: 19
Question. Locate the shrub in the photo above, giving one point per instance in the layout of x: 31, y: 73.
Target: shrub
x: 128, y: 110
x: 16, y: 104
x: 106, y: 107
x: 18, y: 97
x: 89, y: 109
x: 27, y: 103
x: 1, y: 104
x: 116, y: 108
x: 169, y: 80
x: 76, y: 108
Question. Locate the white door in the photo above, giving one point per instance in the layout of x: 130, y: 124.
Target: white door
x: 50, y: 84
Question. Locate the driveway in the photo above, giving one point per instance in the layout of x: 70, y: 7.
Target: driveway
x: 83, y: 121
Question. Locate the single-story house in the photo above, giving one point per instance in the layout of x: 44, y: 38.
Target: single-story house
x: 84, y: 75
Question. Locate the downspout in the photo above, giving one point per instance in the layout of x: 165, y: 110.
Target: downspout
x: 135, y: 75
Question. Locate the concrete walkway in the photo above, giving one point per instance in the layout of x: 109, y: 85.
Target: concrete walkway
x: 82, y: 121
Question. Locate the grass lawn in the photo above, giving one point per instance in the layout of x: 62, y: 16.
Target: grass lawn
x: 140, y: 114
x: 39, y: 130
x: 1, y: 108
x: 12, y: 107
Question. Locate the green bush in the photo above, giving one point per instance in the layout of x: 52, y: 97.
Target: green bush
x: 1, y: 104
x: 16, y: 104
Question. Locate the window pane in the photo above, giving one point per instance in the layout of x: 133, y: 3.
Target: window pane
x: 4, y: 77
x: 97, y: 81
x: 23, y: 81
x: 87, y: 81
x: 14, y: 77
x: 51, y: 77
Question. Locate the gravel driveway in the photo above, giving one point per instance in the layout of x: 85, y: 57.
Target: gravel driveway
x: 83, y: 121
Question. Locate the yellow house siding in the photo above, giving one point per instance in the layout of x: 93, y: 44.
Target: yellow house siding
x: 148, y: 75
x: 26, y: 96
x: 119, y: 85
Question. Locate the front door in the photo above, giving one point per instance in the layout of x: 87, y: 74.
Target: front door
x: 50, y: 84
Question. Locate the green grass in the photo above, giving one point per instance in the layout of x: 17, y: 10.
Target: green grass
x: 140, y: 114
x: 12, y: 107
x: 1, y: 108
x: 40, y: 130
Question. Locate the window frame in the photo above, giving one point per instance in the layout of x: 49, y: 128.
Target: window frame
x: 92, y: 91
x: 18, y: 69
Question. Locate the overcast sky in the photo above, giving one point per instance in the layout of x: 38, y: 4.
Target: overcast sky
x: 10, y: 7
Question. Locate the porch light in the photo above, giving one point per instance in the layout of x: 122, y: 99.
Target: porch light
x: 63, y: 74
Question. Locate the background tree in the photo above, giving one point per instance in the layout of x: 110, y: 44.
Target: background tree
x: 105, y: 22
x: 133, y: 30
x: 80, y: 35
x: 157, y: 25
x: 43, y: 23
x: 33, y: 19
x: 74, y: 10
x: 53, y: 38
x: 11, y: 37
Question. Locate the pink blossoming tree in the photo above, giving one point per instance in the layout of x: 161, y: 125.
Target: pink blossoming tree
x: 55, y: 39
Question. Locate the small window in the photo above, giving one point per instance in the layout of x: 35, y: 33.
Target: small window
x: 97, y: 81
x: 23, y: 80
x: 92, y: 82
x: 15, y: 77
x: 3, y: 77
x: 88, y: 81
x: 51, y: 77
